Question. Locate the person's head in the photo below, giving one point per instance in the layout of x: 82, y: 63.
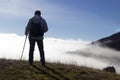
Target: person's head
x: 38, y: 13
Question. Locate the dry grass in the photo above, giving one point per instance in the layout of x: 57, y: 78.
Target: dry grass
x: 21, y: 70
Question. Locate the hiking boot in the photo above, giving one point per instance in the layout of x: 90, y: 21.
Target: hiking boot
x: 31, y: 63
x: 43, y: 64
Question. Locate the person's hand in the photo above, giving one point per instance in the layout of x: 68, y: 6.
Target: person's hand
x: 26, y: 33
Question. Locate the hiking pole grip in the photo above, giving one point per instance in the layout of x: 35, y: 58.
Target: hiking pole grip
x: 23, y: 48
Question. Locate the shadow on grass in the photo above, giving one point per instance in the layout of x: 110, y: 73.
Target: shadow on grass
x: 51, y: 72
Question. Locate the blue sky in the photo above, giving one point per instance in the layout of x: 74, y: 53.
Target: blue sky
x: 68, y: 19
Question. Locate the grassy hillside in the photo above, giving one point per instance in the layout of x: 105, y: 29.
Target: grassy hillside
x: 21, y: 70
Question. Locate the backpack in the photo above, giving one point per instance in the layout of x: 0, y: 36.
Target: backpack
x: 36, y: 29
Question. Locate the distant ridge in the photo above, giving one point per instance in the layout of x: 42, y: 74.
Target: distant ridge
x: 112, y: 41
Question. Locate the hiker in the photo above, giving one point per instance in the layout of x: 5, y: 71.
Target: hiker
x: 36, y: 28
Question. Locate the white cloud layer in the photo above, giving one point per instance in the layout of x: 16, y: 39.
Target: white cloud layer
x: 76, y: 52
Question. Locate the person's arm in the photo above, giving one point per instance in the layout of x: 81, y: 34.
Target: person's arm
x: 27, y: 29
x: 45, y: 26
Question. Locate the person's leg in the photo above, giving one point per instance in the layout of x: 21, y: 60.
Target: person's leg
x: 41, y: 49
x: 31, y: 50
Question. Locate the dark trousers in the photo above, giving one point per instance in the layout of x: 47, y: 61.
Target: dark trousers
x: 41, y: 50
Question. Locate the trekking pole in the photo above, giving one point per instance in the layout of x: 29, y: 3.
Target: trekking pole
x: 23, y: 48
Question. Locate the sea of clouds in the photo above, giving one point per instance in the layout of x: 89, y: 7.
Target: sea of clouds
x: 77, y: 52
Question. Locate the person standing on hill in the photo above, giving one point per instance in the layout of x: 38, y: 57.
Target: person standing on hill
x: 36, y: 28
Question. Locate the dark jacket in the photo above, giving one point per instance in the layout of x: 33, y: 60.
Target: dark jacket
x: 36, y: 19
